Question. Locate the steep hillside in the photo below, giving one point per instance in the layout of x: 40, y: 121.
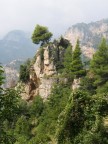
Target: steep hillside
x: 11, y: 71
x: 16, y: 45
x: 88, y: 34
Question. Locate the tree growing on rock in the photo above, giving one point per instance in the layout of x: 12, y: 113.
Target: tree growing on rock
x: 41, y: 35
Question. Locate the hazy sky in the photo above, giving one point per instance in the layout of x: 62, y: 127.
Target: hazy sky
x: 57, y: 15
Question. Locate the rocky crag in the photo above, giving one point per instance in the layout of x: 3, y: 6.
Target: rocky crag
x: 44, y: 71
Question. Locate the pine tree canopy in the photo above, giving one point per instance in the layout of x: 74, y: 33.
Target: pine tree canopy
x: 41, y: 35
x: 99, y: 64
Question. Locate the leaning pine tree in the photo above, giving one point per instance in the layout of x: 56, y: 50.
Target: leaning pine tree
x: 41, y: 35
x: 77, y: 65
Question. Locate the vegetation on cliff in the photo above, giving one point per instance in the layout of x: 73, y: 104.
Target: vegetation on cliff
x: 67, y: 116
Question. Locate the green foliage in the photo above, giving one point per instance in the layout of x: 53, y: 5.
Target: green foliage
x: 22, y: 129
x: 41, y: 35
x: 71, y: 120
x: 41, y: 51
x: 23, y: 108
x: 40, y: 139
x: 77, y: 66
x: 36, y: 107
x: 9, y: 104
x: 86, y: 61
x: 87, y: 84
x: 25, y: 71
x: 58, y: 53
x: 9, y: 108
x: 81, y: 120
x: 64, y: 43
x: 73, y: 66
x: 99, y: 65
x: 53, y: 107
x: 68, y: 62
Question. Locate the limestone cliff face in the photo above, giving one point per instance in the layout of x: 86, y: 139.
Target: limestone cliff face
x: 89, y: 35
x: 43, y: 73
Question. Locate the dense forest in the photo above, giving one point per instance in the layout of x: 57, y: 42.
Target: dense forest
x: 78, y: 116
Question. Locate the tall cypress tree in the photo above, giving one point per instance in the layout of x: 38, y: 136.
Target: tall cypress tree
x: 77, y: 66
x: 99, y: 64
x: 68, y: 62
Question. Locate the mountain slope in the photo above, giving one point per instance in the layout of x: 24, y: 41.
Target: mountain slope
x: 88, y: 34
x: 16, y: 45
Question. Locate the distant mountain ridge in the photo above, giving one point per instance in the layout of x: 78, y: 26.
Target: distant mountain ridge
x: 89, y: 35
x: 16, y: 44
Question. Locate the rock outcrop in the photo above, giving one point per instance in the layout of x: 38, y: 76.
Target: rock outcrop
x: 76, y: 84
x: 43, y: 73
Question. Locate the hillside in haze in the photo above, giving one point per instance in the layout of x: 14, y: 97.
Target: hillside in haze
x: 89, y: 35
x: 12, y: 73
x: 16, y: 45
